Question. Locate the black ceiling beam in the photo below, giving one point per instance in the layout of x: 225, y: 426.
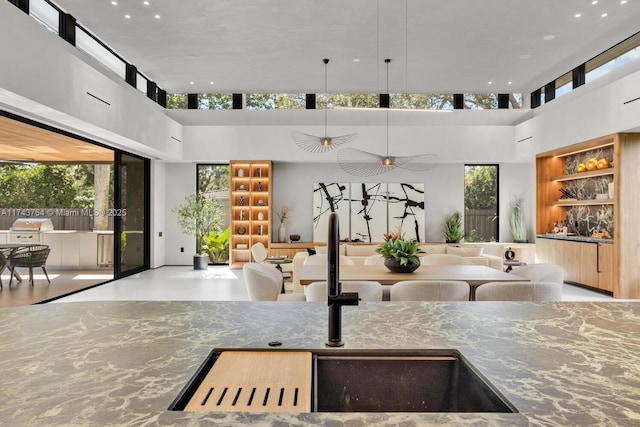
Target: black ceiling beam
x: 67, y: 28
x: 23, y: 5
x: 310, y: 101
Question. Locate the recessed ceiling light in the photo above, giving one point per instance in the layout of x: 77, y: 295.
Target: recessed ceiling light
x: 190, y: 83
x: 489, y: 83
x: 604, y: 15
x: 578, y: 15
x: 146, y: 3
x: 115, y: 3
x: 127, y: 16
x: 549, y: 37
x: 525, y: 56
x: 594, y: 2
x: 623, y: 2
x: 509, y: 83
x: 210, y: 83
x: 356, y: 59
x: 157, y: 16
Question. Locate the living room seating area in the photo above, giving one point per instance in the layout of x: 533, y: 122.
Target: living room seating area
x: 485, y: 254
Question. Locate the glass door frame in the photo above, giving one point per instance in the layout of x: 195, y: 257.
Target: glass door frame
x: 118, y: 273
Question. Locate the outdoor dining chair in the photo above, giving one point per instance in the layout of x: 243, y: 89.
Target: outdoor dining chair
x: 29, y: 257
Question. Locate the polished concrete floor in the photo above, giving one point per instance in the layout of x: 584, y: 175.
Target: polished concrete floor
x: 218, y: 283
x: 63, y: 282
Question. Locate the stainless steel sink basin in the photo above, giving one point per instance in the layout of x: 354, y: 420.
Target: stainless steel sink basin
x: 338, y: 380
x: 434, y: 381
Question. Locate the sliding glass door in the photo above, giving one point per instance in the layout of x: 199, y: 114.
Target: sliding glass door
x: 131, y: 214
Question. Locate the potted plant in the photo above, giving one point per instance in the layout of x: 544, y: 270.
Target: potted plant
x: 516, y: 222
x: 453, y: 228
x: 199, y: 215
x: 400, y: 255
x: 217, y: 246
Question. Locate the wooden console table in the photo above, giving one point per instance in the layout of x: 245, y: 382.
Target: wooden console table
x: 289, y: 249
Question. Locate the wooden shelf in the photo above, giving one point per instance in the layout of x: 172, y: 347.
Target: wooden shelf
x: 255, y: 175
x: 583, y: 175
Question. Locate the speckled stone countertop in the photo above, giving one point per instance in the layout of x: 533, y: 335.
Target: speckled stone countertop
x: 123, y: 363
x: 560, y: 236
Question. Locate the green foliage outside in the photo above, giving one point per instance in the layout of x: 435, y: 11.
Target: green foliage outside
x: 213, y: 183
x: 343, y: 100
x: 271, y: 101
x: 213, y: 178
x: 284, y: 101
x: 199, y: 216
x: 405, y: 251
x: 44, y: 186
x: 480, y: 187
x: 215, y: 101
x: 481, y: 194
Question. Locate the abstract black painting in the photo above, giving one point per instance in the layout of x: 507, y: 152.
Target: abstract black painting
x: 368, y: 210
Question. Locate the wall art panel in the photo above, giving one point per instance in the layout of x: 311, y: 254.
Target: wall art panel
x: 369, y: 210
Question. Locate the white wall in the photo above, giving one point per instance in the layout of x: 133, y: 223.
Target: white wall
x: 45, y: 78
x: 444, y: 193
x: 583, y: 114
x: 180, y: 182
x: 454, y: 141
x: 293, y: 185
x: 158, y: 214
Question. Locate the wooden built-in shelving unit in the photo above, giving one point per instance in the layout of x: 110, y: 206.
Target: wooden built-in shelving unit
x: 614, y: 265
x: 251, y: 183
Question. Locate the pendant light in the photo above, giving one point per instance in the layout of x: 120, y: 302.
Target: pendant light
x: 362, y: 163
x: 321, y: 144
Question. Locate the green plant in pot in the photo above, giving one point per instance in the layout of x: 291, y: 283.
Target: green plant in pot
x: 453, y: 228
x: 400, y: 255
x: 516, y: 222
x: 217, y: 246
x: 198, y: 216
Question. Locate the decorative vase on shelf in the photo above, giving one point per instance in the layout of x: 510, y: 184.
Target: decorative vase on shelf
x: 281, y: 233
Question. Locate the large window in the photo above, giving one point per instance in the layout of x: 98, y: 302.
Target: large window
x: 422, y: 101
x: 481, y: 203
x: 213, y: 188
x: 272, y: 101
x: 92, y: 47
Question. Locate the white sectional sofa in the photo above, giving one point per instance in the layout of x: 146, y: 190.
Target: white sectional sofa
x: 487, y: 254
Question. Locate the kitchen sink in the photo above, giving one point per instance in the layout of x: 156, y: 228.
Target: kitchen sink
x: 338, y: 380
x: 434, y: 381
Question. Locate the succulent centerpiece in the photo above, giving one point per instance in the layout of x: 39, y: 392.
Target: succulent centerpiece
x: 400, y: 255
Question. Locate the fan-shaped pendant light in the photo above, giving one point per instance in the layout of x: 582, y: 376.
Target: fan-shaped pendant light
x: 321, y: 144
x: 362, y: 163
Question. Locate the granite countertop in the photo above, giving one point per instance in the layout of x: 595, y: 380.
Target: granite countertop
x: 560, y: 236
x: 123, y: 363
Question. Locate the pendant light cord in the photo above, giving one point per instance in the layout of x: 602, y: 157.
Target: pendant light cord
x: 326, y: 61
x: 387, y: 61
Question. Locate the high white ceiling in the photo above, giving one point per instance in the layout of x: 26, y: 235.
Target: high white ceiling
x: 435, y: 45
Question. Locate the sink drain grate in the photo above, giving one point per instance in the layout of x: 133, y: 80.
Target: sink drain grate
x: 256, y: 381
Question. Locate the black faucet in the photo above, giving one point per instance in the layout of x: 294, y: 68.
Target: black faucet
x: 335, y: 297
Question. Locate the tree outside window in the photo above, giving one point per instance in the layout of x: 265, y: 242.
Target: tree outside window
x: 481, y: 203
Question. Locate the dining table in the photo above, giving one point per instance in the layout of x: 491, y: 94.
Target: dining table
x: 474, y: 275
x: 8, y: 249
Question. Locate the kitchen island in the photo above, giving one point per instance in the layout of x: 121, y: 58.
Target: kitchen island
x: 123, y: 363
